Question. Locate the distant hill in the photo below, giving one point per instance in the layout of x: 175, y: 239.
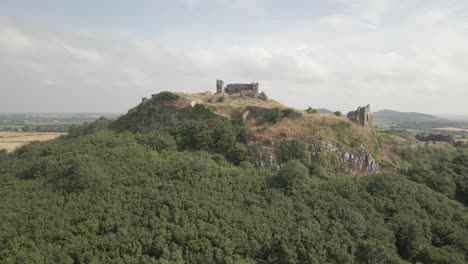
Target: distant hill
x: 386, y: 118
x: 325, y: 111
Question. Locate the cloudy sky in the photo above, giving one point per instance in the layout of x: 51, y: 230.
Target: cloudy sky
x: 103, y: 56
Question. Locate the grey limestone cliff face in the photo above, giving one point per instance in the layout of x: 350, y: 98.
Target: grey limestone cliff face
x: 358, y: 160
x: 354, y: 160
x: 150, y: 115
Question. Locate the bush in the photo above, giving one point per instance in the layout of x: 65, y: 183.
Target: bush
x: 338, y: 113
x: 322, y: 163
x: 275, y: 115
x: 293, y: 150
x: 238, y: 153
x: 158, y: 141
x: 292, y: 174
x: 89, y: 128
x: 165, y: 96
x: 287, y: 112
x: 3, y: 156
x: 310, y: 110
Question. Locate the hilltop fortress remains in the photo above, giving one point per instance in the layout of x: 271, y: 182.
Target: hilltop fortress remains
x: 362, y: 116
x: 244, y: 89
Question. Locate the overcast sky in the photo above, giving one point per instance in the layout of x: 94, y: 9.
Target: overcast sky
x: 103, y: 56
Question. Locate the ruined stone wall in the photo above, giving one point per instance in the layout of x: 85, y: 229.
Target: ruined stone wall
x: 362, y: 116
x: 239, y: 87
x: 235, y: 88
x: 219, y: 86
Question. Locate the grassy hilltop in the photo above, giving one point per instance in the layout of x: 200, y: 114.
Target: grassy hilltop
x: 269, y: 123
x: 194, y: 179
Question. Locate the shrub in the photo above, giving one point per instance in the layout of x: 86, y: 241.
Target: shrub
x: 165, y: 96
x: 158, y: 141
x: 310, y: 110
x: 275, y: 115
x: 3, y: 156
x: 238, y: 153
x: 293, y: 150
x: 221, y: 99
x: 89, y: 128
x: 199, y: 112
x: 338, y: 113
x: 287, y: 112
x: 322, y: 163
x: 292, y: 174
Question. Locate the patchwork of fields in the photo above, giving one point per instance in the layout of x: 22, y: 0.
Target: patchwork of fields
x: 12, y: 140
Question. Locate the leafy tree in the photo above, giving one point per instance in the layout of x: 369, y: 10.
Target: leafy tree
x: 102, y: 196
x: 158, y: 141
x: 238, y: 153
x: 292, y: 174
x: 293, y: 150
x: 165, y: 96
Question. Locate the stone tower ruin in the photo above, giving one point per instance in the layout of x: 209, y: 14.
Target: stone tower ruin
x: 219, y: 86
x: 362, y: 116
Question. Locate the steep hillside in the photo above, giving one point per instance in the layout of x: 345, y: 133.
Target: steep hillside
x: 186, y: 179
x: 268, y: 123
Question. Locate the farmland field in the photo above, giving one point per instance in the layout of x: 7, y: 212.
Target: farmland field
x: 453, y: 129
x: 13, y: 140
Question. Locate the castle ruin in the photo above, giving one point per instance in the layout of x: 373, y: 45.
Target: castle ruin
x: 235, y: 88
x: 362, y: 116
x: 219, y: 86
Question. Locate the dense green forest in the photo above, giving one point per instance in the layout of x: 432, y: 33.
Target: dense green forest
x: 192, y: 193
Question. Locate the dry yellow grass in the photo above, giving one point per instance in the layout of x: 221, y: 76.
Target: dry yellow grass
x: 12, y: 140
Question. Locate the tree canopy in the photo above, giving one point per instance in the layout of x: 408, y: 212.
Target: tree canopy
x: 190, y: 194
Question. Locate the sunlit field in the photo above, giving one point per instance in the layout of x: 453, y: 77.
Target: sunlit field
x: 12, y: 140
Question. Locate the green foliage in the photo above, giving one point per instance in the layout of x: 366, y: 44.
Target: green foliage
x: 165, y: 96
x: 158, y: 141
x: 357, y: 142
x: 274, y: 116
x: 198, y: 112
x: 287, y: 112
x: 221, y: 99
x: 238, y: 153
x: 3, y: 156
x: 292, y: 174
x: 322, y: 163
x: 311, y: 110
x: 338, y: 113
x: 100, y: 196
x: 443, y: 170
x: 88, y: 128
x: 293, y: 150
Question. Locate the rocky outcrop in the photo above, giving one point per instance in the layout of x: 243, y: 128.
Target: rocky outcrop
x: 357, y: 160
x: 154, y: 118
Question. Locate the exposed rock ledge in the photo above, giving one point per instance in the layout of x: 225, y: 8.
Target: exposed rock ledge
x: 355, y: 160
x: 358, y: 159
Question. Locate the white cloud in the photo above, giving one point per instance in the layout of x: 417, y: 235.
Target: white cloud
x: 363, y: 54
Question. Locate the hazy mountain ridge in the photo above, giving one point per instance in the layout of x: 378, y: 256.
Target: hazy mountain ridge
x: 415, y: 120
